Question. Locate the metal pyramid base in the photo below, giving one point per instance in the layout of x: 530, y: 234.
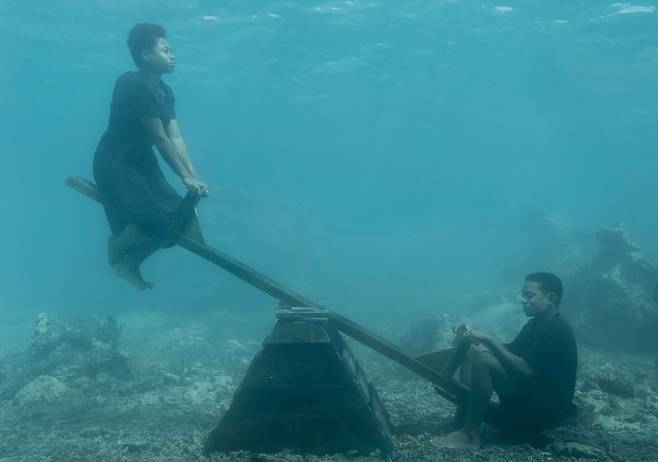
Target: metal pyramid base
x: 303, y: 392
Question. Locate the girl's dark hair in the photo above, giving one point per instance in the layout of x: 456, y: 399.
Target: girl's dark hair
x: 143, y: 37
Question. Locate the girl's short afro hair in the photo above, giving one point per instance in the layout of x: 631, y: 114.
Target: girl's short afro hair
x: 143, y: 37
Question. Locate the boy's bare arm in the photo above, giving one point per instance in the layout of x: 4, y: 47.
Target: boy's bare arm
x: 509, y: 360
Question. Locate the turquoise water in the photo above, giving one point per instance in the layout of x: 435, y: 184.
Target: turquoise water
x: 378, y: 156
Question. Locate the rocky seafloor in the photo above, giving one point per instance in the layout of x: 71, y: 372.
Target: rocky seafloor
x: 151, y: 386
x: 151, y: 389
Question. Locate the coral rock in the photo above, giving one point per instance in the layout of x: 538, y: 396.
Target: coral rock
x: 615, y: 382
x: 43, y: 390
x: 48, y: 333
x: 577, y: 450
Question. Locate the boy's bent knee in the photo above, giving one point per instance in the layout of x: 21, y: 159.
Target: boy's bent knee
x: 483, y: 357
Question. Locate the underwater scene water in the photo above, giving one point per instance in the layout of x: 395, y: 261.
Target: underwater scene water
x: 405, y: 164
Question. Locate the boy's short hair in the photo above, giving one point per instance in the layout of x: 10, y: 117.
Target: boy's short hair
x: 549, y: 283
x: 143, y: 37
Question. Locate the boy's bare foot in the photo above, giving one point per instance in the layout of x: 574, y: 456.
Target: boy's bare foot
x: 128, y: 269
x: 452, y: 426
x: 460, y: 440
x: 457, y: 421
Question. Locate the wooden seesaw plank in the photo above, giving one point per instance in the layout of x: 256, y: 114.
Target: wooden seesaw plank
x: 448, y: 388
x: 445, y: 385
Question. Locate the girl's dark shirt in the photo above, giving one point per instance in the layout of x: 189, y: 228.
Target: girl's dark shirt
x: 550, y: 350
x: 134, y: 99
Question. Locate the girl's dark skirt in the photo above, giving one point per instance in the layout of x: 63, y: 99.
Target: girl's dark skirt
x: 135, y: 190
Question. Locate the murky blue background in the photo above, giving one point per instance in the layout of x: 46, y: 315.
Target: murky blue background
x: 376, y: 156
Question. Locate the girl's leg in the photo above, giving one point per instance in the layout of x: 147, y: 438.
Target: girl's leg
x: 119, y: 246
x: 127, y: 251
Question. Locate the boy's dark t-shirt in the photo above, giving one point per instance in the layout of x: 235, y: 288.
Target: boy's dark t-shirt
x: 550, y: 350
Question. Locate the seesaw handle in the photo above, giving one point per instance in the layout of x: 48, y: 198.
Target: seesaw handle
x: 86, y: 187
x: 185, y: 214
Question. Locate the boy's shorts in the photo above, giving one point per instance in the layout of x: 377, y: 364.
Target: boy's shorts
x: 525, y: 413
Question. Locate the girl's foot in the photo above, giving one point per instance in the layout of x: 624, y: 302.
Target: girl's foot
x: 128, y: 269
x: 114, y: 254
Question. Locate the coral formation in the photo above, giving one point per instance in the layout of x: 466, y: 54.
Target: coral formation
x: 610, y: 297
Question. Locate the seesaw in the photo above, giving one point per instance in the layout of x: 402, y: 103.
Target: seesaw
x: 305, y: 390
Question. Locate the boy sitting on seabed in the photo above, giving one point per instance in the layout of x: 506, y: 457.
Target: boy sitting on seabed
x: 534, y: 376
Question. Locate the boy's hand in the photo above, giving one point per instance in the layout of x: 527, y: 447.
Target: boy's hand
x: 478, y: 337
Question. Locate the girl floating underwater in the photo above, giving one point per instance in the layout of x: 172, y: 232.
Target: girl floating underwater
x: 139, y: 204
